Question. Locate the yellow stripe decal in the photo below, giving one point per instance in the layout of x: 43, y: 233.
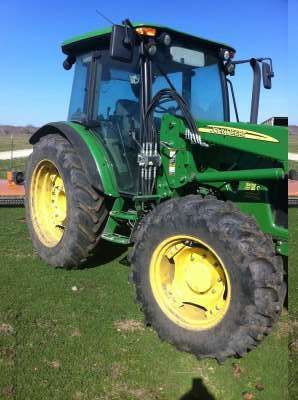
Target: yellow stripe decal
x: 236, y: 132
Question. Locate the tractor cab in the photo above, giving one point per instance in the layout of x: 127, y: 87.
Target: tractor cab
x: 119, y: 70
x: 111, y: 89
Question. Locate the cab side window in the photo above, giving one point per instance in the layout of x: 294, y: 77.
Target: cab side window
x: 117, y: 109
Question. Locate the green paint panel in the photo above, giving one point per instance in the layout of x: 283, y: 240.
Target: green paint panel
x: 253, y: 199
x: 275, y: 148
x: 104, y: 166
x: 106, y: 31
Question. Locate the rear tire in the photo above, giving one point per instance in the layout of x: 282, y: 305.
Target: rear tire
x: 86, y: 211
x: 255, y: 274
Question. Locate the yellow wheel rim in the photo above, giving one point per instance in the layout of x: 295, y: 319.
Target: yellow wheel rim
x: 48, y: 203
x: 190, y: 282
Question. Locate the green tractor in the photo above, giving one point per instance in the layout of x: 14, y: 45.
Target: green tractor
x: 148, y: 158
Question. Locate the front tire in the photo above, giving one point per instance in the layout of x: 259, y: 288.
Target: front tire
x: 65, y: 215
x: 220, y: 284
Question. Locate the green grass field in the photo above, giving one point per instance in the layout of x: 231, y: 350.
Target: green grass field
x: 79, y: 335
x: 293, y: 147
x: 19, y: 142
x: 293, y: 143
x: 19, y: 164
x: 293, y: 303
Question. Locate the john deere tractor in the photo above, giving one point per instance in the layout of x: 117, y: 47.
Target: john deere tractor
x: 150, y: 159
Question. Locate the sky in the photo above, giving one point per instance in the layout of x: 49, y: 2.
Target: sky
x: 35, y: 89
x: 293, y: 59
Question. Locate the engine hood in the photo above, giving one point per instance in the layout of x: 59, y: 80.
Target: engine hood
x: 263, y: 140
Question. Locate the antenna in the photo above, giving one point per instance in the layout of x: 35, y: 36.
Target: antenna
x: 104, y: 17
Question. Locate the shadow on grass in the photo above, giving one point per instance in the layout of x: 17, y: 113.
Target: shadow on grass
x: 106, y: 253
x: 198, y: 392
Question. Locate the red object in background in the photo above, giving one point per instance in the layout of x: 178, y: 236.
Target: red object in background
x: 292, y: 192
x: 11, y: 194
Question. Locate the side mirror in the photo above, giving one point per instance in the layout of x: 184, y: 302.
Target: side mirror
x: 267, y: 74
x: 68, y: 62
x: 122, y: 43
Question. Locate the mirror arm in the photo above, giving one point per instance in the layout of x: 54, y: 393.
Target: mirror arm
x: 255, y: 98
x: 234, y: 99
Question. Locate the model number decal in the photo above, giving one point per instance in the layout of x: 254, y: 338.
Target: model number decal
x: 236, y: 132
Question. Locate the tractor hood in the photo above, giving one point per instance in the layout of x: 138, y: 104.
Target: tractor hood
x: 263, y: 140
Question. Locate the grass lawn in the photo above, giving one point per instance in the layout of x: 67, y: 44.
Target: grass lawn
x: 79, y: 335
x: 293, y: 308
x: 293, y: 143
x: 19, y: 142
x: 19, y: 164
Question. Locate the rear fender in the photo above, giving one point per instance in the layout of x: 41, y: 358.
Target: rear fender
x: 93, y: 156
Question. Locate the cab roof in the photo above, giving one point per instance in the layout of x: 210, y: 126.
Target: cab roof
x: 92, y: 39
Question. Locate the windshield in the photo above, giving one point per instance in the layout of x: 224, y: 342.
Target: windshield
x: 195, y: 75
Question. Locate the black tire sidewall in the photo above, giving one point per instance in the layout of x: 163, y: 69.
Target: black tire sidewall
x: 55, y: 254
x: 210, y: 340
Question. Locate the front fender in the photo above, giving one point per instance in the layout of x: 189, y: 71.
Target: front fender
x: 91, y: 151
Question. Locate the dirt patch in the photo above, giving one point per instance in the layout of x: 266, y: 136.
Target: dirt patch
x: 293, y: 347
x: 142, y: 394
x: 78, y: 396
x: 129, y: 325
x: 8, y: 392
x: 237, y: 370
x: 259, y: 387
x: 7, y: 354
x: 6, y: 329
x: 54, y: 364
x: 293, y: 327
x: 117, y: 370
x: 247, y: 396
x: 136, y: 393
x: 283, y: 329
x: 75, y: 333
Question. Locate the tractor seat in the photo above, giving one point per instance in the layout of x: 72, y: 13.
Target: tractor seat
x: 129, y: 110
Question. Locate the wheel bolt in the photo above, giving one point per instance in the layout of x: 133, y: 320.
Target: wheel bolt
x: 217, y: 308
x: 219, y: 279
x: 213, y: 291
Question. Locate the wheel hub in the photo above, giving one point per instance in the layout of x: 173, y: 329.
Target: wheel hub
x: 198, y: 276
x: 190, y: 282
